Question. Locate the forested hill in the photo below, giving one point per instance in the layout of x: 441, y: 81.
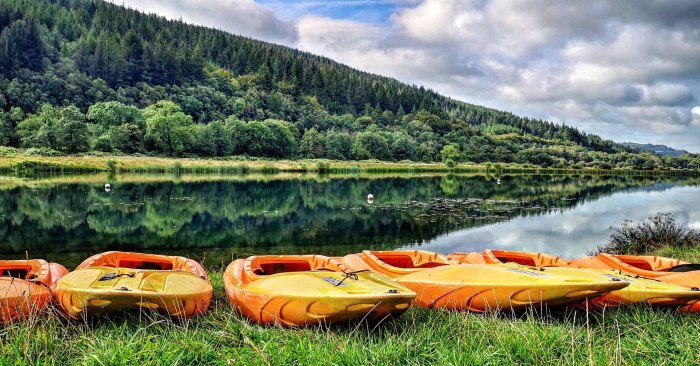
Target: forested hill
x: 661, y: 150
x: 80, y: 76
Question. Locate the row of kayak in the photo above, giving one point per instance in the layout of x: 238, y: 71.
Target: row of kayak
x: 297, y: 290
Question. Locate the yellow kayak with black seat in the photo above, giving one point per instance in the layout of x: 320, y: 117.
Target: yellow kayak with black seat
x: 641, y: 289
x: 442, y: 283
x: 115, y: 282
x: 296, y: 290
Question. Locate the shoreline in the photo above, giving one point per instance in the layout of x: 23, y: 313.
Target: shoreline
x: 20, y: 164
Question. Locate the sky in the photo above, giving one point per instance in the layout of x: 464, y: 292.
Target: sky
x: 626, y: 70
x: 574, y: 231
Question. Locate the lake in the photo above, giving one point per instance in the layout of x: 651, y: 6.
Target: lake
x: 218, y: 218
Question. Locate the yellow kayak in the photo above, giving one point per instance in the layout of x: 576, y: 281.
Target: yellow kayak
x: 296, y: 290
x: 640, y: 290
x: 115, y: 282
x: 441, y: 282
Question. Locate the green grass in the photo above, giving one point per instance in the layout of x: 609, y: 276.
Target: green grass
x: 629, y: 336
x: 690, y: 254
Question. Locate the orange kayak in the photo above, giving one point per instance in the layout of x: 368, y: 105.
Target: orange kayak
x: 443, y: 283
x: 662, y: 268
x: 641, y: 289
x: 296, y: 290
x: 114, y: 282
x: 25, y: 287
x: 669, y: 270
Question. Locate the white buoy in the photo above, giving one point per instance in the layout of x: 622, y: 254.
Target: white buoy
x: 108, y: 187
x: 370, y: 198
x: 498, y: 181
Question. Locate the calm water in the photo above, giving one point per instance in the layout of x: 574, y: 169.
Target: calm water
x: 215, y: 219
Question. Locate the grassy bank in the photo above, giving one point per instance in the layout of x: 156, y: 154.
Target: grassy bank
x: 634, y: 335
x: 21, y: 164
x: 637, y: 335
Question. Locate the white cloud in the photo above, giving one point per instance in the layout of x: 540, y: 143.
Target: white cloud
x: 243, y: 17
x: 622, y: 71
x: 696, y: 115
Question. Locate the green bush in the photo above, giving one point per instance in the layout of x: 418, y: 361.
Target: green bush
x: 269, y: 169
x: 323, y: 167
x: 177, y: 167
x: 112, y: 166
x: 8, y: 151
x: 638, y: 237
x: 41, y: 151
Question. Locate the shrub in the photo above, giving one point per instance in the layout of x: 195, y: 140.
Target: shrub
x: 662, y: 230
x: 112, y: 166
x: 269, y: 169
x: 177, y: 167
x: 323, y: 167
x: 8, y: 151
x: 41, y: 151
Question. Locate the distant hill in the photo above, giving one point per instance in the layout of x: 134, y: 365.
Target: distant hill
x: 78, y: 76
x: 660, y: 150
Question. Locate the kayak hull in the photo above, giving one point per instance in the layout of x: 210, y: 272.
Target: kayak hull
x: 449, y: 288
x: 481, y: 288
x: 311, y: 296
x: 647, y: 266
x: 181, y: 290
x: 21, y: 299
x: 640, y: 290
x: 25, y: 288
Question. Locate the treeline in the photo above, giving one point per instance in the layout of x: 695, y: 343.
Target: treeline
x: 83, y: 75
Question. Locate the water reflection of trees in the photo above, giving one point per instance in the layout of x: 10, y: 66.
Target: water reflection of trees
x: 331, y: 216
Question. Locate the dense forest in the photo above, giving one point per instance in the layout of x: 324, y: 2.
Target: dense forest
x: 86, y: 76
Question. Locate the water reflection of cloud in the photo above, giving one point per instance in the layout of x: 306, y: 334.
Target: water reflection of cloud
x: 574, y: 232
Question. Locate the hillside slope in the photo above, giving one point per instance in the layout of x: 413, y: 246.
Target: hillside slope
x: 660, y: 150
x: 79, y: 76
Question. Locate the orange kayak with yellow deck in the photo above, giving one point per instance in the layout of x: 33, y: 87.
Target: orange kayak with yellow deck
x: 25, y: 287
x: 669, y: 270
x: 296, y: 290
x: 640, y: 290
x: 114, y: 282
x: 443, y: 283
x: 664, y: 269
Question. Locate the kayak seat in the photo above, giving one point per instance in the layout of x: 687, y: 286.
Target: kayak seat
x: 153, y: 265
x: 407, y: 262
x: 525, y: 261
x: 414, y: 259
x: 22, y: 273
x: 641, y: 264
x: 141, y: 261
x: 685, y: 267
x: 266, y: 268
